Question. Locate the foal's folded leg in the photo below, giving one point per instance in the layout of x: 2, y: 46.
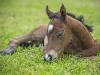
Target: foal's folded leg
x: 37, y: 34
x: 90, y: 52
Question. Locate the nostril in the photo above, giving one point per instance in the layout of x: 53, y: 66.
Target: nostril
x: 44, y: 59
x: 48, y: 57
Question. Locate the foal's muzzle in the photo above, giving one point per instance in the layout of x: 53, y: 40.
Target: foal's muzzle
x: 50, y: 55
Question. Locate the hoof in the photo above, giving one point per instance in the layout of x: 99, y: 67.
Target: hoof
x: 8, y: 51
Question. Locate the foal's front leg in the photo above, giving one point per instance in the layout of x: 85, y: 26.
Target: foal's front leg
x: 15, y: 42
x: 37, y: 34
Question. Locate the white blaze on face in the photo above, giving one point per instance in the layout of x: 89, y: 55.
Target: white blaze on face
x: 50, y: 28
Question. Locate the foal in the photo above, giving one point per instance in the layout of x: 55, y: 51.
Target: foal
x: 64, y: 34
x: 68, y: 35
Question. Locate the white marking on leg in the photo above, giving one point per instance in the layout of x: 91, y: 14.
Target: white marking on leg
x: 45, y: 40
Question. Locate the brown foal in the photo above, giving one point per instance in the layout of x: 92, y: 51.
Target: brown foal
x: 63, y: 34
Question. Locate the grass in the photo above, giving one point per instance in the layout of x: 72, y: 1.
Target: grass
x: 21, y: 16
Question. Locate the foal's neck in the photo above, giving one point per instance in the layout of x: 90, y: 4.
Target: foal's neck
x: 80, y: 31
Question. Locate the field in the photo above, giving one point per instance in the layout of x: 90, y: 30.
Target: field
x: 18, y: 17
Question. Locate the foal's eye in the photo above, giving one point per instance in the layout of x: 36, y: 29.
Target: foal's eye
x: 60, y: 34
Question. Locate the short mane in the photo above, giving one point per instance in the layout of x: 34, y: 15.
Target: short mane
x: 81, y: 19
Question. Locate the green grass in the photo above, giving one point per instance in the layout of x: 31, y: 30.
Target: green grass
x: 21, y: 16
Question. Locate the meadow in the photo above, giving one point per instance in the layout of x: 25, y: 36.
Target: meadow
x: 18, y: 17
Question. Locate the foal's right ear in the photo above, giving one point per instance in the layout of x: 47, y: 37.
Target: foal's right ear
x: 63, y: 12
x: 49, y: 13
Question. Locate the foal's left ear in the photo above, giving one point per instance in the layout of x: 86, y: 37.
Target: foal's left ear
x: 49, y: 12
x: 63, y: 12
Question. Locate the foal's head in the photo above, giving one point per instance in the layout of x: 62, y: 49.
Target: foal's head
x: 58, y: 34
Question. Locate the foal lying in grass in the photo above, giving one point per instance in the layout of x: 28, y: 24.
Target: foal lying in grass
x: 65, y: 33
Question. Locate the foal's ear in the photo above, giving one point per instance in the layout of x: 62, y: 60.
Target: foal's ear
x: 63, y: 12
x: 49, y: 13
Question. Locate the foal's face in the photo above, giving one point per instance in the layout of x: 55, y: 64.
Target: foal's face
x: 57, y: 36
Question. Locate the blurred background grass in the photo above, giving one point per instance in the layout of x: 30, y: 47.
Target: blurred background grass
x: 21, y: 16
